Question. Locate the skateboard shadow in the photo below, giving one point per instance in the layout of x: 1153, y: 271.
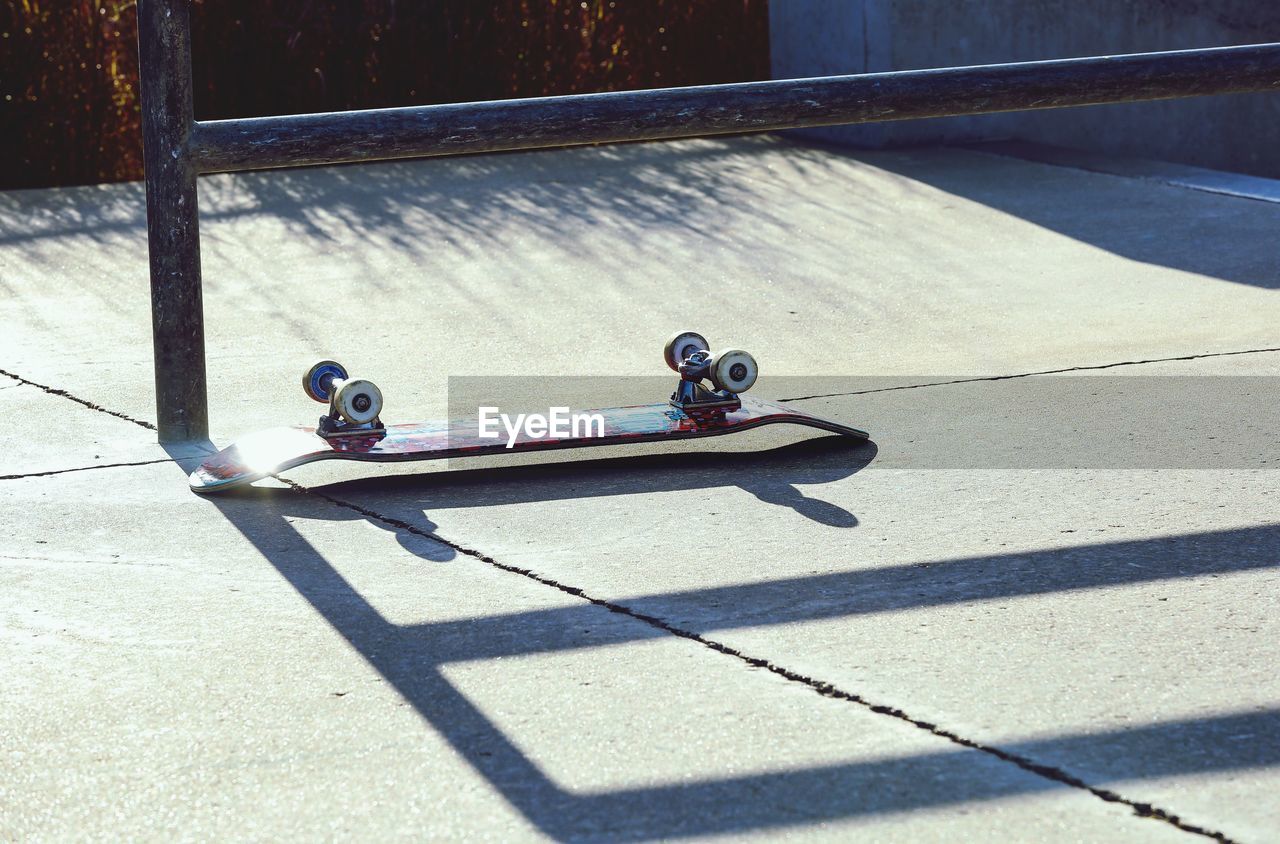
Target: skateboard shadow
x: 772, y: 476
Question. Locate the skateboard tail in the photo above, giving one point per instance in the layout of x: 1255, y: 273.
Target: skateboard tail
x: 255, y: 457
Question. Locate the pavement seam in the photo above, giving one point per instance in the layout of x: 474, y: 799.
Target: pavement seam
x: 1141, y: 809
x: 63, y: 393
x: 979, y: 378
x: 54, y: 391
x: 82, y: 469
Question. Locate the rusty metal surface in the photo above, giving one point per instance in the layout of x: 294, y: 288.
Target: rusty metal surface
x: 269, y: 452
x: 374, y: 134
x: 173, y: 224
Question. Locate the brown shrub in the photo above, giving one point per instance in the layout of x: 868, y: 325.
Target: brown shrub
x: 68, y: 69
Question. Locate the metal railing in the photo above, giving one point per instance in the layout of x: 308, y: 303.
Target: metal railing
x: 178, y: 148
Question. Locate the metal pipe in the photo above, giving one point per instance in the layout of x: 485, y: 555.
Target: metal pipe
x: 263, y: 142
x: 173, y: 221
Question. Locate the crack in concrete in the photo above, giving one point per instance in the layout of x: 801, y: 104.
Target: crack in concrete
x: 979, y: 378
x: 1141, y: 809
x: 54, y: 391
x: 82, y: 469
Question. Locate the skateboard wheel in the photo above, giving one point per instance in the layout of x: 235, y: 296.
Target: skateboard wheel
x: 733, y: 370
x: 318, y: 382
x: 681, y: 346
x: 358, y: 401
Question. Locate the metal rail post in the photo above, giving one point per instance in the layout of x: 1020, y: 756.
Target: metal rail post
x: 173, y: 220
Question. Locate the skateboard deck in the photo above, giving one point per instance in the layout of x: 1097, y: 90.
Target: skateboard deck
x: 270, y: 452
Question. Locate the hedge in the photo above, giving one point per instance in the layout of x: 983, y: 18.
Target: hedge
x: 68, y: 69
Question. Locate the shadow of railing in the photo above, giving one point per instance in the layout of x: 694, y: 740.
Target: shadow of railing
x: 412, y: 658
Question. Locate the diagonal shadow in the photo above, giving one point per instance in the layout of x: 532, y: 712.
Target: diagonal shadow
x: 411, y: 657
x: 989, y: 578
x: 1150, y: 223
x: 894, y: 785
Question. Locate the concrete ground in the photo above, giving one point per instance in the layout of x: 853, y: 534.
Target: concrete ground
x: 1039, y: 608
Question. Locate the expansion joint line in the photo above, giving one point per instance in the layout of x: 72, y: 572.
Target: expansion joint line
x: 979, y: 378
x: 49, y: 472
x: 1145, y: 810
x: 54, y: 391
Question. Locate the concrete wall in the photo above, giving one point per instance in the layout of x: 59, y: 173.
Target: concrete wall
x: 1238, y: 132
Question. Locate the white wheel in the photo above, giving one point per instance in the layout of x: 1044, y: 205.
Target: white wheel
x: 733, y: 370
x: 318, y: 382
x: 681, y: 346
x: 358, y: 401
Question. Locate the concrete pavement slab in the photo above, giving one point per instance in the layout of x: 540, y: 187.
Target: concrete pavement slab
x: 1115, y: 626
x: 85, y: 437
x: 272, y: 668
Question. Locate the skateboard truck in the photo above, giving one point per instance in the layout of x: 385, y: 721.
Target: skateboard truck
x: 354, y: 404
x: 730, y: 372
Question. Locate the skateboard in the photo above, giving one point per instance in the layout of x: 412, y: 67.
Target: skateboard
x: 707, y: 402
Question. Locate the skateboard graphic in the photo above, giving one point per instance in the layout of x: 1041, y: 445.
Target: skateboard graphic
x: 352, y: 430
